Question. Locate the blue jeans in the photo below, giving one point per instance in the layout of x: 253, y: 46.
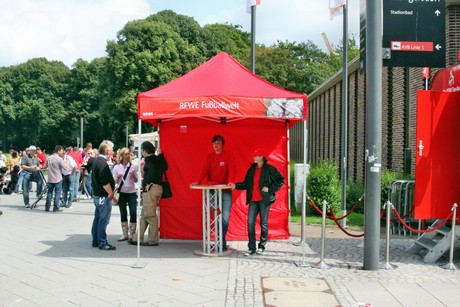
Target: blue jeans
x: 88, y: 184
x: 27, y: 179
x: 254, y: 208
x: 75, y: 184
x: 67, y: 195
x: 226, y: 207
x: 56, y: 187
x: 102, y: 212
x: 19, y: 184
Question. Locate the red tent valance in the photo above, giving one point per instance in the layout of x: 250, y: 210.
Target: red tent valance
x: 221, y: 87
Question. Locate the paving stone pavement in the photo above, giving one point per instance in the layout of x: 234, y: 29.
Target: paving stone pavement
x: 46, y: 259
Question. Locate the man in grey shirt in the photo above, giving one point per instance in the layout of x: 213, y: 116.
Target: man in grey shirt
x: 30, y: 166
x: 55, y: 165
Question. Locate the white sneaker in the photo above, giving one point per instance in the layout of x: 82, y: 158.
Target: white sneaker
x: 13, y: 193
x: 249, y: 253
x: 260, y: 251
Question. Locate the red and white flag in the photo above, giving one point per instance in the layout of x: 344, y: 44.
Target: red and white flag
x: 336, y: 7
x: 250, y: 3
x: 426, y: 72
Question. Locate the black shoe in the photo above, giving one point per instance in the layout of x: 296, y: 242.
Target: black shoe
x: 132, y: 242
x: 250, y: 253
x: 57, y: 210
x: 108, y: 247
x: 149, y: 244
x: 94, y: 245
x: 225, y: 248
x: 47, y: 209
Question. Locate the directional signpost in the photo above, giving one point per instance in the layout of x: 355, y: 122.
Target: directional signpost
x: 414, y: 33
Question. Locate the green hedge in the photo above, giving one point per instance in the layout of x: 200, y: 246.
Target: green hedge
x: 323, y: 184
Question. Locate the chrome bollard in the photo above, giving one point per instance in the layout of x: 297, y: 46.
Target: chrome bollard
x: 387, y: 265
x: 321, y: 264
x: 451, y: 265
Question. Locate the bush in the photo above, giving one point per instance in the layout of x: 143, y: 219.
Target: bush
x: 323, y: 184
x: 355, y: 190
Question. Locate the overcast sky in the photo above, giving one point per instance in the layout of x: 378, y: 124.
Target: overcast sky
x: 66, y: 30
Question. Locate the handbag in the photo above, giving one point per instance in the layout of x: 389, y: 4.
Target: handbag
x: 116, y: 193
x: 167, y: 193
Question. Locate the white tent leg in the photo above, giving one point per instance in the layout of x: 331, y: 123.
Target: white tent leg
x: 139, y: 264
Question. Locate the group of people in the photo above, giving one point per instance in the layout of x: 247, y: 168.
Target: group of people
x: 111, y: 183
x: 261, y: 182
x: 123, y: 178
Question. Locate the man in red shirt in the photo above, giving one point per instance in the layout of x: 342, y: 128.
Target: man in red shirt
x: 41, y: 157
x: 220, y: 168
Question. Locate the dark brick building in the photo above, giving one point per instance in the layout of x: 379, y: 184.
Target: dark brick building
x: 399, y: 90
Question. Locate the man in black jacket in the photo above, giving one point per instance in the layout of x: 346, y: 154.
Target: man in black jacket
x: 261, y: 182
x: 103, y: 186
x: 155, y: 166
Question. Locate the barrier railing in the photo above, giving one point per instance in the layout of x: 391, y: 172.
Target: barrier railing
x: 401, y: 219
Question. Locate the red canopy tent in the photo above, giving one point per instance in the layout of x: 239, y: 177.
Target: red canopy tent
x: 220, y: 97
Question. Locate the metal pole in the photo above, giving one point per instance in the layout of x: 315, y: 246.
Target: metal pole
x: 321, y: 264
x: 288, y: 145
x: 302, y: 242
x: 138, y: 264
x: 345, y: 113
x: 373, y: 134
x: 253, y: 39
x: 127, y: 124
x: 81, y: 131
x: 451, y: 265
x: 387, y: 265
x: 303, y: 220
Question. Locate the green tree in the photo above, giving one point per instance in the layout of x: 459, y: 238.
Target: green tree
x: 85, y: 93
x: 146, y: 55
x: 228, y: 38
x: 36, y: 102
x: 293, y: 66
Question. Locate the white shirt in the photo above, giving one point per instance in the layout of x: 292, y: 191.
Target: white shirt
x: 72, y: 164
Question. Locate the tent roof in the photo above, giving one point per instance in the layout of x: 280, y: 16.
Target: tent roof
x: 221, y: 82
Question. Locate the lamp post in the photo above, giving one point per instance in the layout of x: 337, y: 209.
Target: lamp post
x: 81, y: 131
x: 127, y: 126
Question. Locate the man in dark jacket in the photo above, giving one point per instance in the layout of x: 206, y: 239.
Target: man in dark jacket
x: 261, y: 182
x: 155, y: 166
x: 103, y: 186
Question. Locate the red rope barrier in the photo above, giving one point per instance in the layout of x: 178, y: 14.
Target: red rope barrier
x: 316, y: 208
x: 343, y: 229
x: 422, y: 231
x: 332, y: 218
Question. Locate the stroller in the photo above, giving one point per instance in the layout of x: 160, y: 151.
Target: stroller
x: 10, y: 181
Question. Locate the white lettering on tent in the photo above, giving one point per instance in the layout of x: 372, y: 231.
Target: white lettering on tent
x: 188, y: 105
x: 219, y: 105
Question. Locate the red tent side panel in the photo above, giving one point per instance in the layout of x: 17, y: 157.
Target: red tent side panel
x: 186, y: 143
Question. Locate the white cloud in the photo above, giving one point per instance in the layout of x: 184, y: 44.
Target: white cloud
x: 62, y: 30
x: 66, y: 30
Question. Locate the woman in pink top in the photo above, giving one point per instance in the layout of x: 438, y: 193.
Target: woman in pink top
x: 125, y: 174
